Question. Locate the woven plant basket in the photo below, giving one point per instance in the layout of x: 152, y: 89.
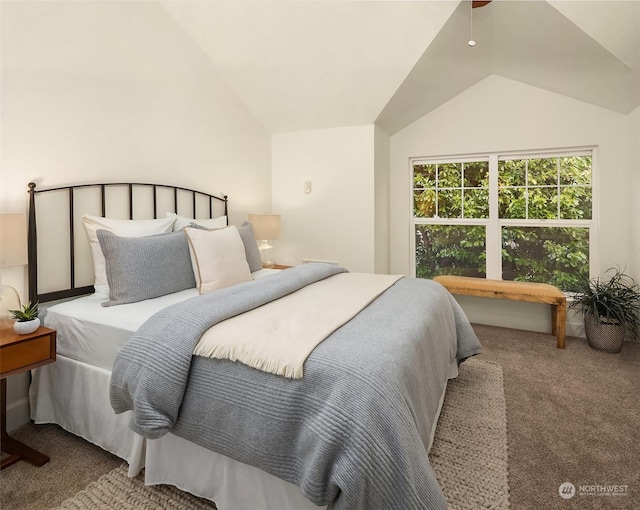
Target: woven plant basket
x: 604, y: 335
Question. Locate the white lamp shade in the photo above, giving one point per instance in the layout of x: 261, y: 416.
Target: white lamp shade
x: 13, y: 240
x: 265, y: 226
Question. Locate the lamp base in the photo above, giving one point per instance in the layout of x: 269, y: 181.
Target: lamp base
x: 266, y: 255
x: 9, y: 300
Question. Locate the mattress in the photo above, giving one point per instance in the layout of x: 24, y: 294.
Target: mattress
x: 91, y: 333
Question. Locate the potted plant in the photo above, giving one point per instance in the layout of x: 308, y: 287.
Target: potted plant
x: 610, y: 309
x: 27, y: 320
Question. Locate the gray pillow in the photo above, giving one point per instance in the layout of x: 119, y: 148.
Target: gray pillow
x: 140, y: 268
x: 250, y: 246
x: 251, y: 251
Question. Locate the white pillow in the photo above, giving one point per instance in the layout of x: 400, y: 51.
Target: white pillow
x: 123, y: 228
x: 218, y: 258
x: 182, y: 221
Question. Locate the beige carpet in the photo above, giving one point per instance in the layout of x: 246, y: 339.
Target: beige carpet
x: 469, y: 454
x: 574, y: 416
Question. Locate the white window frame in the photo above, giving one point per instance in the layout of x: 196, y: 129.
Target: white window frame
x: 494, y: 224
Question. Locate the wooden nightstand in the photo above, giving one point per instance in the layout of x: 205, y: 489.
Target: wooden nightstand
x: 19, y: 353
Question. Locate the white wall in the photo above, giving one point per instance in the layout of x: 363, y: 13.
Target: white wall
x: 498, y: 114
x: 115, y: 91
x: 634, y: 193
x: 382, y: 144
x: 335, y: 222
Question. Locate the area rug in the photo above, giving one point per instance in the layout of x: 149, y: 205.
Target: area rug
x: 469, y: 455
x: 469, y: 452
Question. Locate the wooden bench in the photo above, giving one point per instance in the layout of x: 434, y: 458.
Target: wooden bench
x: 516, y: 291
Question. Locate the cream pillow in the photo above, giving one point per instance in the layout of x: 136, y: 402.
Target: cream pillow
x: 218, y: 258
x: 182, y: 221
x: 123, y: 228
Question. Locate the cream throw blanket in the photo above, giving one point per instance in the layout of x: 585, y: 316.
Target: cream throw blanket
x: 279, y: 336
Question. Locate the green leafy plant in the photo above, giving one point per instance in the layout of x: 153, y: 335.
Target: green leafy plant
x: 616, y: 300
x: 27, y: 313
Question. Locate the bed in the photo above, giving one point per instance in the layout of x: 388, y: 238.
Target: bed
x: 349, y: 427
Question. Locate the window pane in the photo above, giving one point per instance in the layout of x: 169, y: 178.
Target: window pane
x: 575, y: 170
x: 542, y: 172
x: 424, y: 203
x: 512, y: 203
x: 450, y: 203
x: 476, y: 203
x: 512, y: 173
x: 555, y: 255
x: 476, y: 174
x: 575, y: 203
x: 543, y: 203
x: 450, y: 175
x: 424, y: 176
x: 450, y: 249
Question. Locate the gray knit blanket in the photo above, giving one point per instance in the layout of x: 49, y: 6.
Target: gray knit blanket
x: 352, y: 433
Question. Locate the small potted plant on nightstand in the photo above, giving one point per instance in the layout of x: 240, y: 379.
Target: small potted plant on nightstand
x: 27, y: 320
x: 611, y: 310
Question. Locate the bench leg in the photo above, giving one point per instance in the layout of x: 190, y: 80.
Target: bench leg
x: 559, y: 323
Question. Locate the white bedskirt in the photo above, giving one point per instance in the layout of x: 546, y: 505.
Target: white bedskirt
x: 231, y: 484
x: 75, y: 396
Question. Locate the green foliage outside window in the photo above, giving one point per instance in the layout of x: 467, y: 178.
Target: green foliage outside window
x: 551, y: 188
x: 555, y: 255
x: 450, y: 249
x: 451, y: 190
x: 554, y: 188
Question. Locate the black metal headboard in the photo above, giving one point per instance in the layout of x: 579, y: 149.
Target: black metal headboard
x: 183, y: 198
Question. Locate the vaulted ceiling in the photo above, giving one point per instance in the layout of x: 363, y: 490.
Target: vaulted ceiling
x: 317, y: 64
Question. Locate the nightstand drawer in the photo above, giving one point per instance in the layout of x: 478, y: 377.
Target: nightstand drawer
x: 19, y: 353
x: 26, y: 353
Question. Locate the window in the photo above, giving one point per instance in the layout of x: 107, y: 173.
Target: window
x: 526, y: 217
